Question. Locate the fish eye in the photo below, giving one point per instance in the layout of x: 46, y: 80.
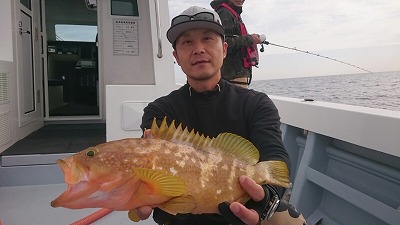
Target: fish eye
x: 90, y: 153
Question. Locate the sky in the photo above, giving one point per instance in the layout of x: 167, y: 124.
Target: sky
x: 363, y: 33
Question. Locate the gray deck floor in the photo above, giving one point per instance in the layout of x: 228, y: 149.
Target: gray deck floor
x: 30, y: 204
x: 29, y: 159
x: 59, y: 138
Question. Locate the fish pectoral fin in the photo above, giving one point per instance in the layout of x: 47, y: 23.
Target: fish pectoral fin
x: 182, y: 204
x: 133, y: 216
x: 161, y: 183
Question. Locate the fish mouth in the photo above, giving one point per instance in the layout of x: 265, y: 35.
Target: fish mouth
x: 73, y: 172
x: 75, y: 194
x: 78, y: 187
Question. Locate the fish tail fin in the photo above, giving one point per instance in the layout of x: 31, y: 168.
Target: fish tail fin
x: 273, y: 172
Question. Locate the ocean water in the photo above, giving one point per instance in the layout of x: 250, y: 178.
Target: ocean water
x: 378, y: 90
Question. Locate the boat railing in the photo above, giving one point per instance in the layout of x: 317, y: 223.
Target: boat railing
x: 345, y: 161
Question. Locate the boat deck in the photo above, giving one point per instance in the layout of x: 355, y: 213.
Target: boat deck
x: 31, y: 205
x: 59, y: 138
x: 29, y: 202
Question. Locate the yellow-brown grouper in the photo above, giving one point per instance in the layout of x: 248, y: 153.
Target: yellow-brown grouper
x: 176, y: 170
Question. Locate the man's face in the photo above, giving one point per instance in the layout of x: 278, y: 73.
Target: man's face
x: 238, y: 3
x: 200, y: 53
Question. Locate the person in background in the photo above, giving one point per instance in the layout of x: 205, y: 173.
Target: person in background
x: 234, y: 69
x: 210, y: 106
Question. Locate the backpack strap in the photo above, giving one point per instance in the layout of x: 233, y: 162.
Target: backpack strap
x: 230, y: 9
x: 251, y: 58
x: 243, y: 29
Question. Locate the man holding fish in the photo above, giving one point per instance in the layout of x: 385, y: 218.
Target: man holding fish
x: 224, y: 163
x: 210, y: 106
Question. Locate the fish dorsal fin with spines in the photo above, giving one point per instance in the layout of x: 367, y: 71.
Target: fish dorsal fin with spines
x: 226, y: 143
x: 177, y: 135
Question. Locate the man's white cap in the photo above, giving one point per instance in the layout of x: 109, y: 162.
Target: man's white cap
x: 177, y: 28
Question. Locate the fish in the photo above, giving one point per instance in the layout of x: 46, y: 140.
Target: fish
x: 176, y: 170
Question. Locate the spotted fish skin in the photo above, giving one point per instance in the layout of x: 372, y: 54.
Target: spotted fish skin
x: 176, y: 170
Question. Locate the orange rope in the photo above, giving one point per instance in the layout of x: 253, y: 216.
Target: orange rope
x: 92, y: 217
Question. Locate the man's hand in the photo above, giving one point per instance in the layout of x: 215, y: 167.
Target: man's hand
x: 256, y: 39
x: 144, y: 212
x: 247, y: 216
x: 147, y: 134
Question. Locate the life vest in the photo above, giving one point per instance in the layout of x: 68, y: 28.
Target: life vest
x: 250, y: 53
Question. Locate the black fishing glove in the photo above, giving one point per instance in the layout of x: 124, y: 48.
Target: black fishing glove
x: 228, y: 214
x: 265, y: 208
x: 161, y: 218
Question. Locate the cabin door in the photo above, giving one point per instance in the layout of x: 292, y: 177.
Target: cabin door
x: 29, y: 87
x: 72, y: 77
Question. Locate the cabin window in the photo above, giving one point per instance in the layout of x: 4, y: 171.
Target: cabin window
x: 80, y: 33
x: 124, y: 8
x: 26, y: 3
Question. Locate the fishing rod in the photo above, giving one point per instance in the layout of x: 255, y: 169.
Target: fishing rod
x: 307, y: 52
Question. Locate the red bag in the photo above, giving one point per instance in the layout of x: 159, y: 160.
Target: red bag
x: 251, y: 58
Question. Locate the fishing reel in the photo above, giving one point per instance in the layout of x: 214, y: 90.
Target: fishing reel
x: 263, y: 39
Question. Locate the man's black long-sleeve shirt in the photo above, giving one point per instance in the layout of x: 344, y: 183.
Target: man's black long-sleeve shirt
x: 228, y: 108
